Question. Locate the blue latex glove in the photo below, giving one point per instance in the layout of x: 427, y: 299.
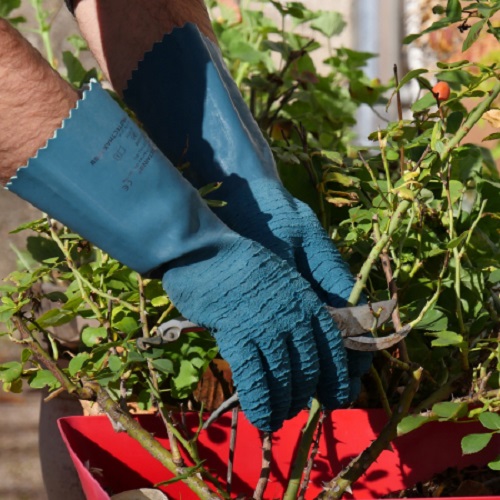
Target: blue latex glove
x: 192, y: 109
x: 103, y: 178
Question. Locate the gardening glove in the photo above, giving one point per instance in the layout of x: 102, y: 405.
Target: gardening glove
x: 188, y: 102
x: 102, y: 177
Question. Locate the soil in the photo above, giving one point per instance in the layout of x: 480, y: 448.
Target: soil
x: 469, y: 482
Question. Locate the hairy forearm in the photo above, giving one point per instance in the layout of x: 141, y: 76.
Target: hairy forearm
x: 119, y: 35
x: 34, y: 100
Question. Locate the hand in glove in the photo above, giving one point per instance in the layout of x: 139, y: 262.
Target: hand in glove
x: 101, y: 176
x: 192, y: 109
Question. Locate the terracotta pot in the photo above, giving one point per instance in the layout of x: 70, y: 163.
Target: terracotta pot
x: 109, y: 462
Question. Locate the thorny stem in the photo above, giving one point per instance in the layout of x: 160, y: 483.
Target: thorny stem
x: 146, y: 440
x: 396, y: 362
x: 232, y: 448
x: 303, y: 451
x: 393, y: 289
x: 400, y: 118
x: 471, y: 120
x: 374, y: 180
x: 362, y: 277
x: 42, y: 357
x: 432, y: 301
x: 385, y: 163
x: 381, y: 391
x: 267, y: 444
x: 176, y: 455
x: 69, y: 261
x: 83, y: 281
x: 312, y: 456
x: 336, y: 488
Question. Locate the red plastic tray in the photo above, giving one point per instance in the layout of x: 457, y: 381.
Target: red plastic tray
x: 109, y: 462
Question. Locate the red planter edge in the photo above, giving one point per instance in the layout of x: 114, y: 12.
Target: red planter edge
x: 108, y: 462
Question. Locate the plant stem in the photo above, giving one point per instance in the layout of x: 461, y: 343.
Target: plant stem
x: 385, y: 163
x: 43, y: 357
x: 393, y: 289
x: 267, y: 444
x: 303, y: 451
x: 146, y: 440
x: 336, y: 488
x: 377, y: 249
x: 471, y: 120
x: 381, y: 391
x: 83, y: 281
x: 310, y: 461
x: 400, y: 118
x: 44, y: 31
x: 176, y: 455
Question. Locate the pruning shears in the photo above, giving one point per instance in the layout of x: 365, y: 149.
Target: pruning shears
x: 352, y: 322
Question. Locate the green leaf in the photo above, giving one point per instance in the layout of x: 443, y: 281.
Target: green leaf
x: 495, y: 464
x: 42, y: 248
x: 76, y: 363
x: 424, y: 103
x: 160, y: 301
x: 185, y: 381
x: 435, y: 320
x: 93, y: 335
x: 115, y: 363
x: 15, y: 386
x: 454, y: 10
x: 437, y: 135
x: 490, y: 420
x: 456, y: 77
x: 473, y: 35
x: 452, y: 65
x: 25, y: 355
x: 449, y: 410
x: 410, y: 76
x: 74, y: 68
x: 55, y: 317
x: 455, y: 242
x: 10, y: 371
x: 164, y: 365
x: 78, y: 43
x: 494, y: 276
x: 446, y: 338
x: 44, y: 378
x: 329, y: 23
x: 454, y: 121
x: 442, y: 23
x: 7, y: 6
x: 127, y: 325
x: 492, y: 137
x: 456, y: 190
x: 412, y: 422
x: 475, y: 442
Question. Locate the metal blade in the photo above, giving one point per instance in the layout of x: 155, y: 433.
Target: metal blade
x: 376, y: 343
x: 354, y: 321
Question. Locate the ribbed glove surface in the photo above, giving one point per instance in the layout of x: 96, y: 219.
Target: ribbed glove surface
x: 192, y: 109
x: 269, y: 325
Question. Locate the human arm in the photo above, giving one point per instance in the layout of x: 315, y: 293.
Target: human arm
x: 119, y: 36
x: 34, y: 100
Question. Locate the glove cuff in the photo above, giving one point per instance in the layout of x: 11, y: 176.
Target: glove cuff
x: 101, y: 176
